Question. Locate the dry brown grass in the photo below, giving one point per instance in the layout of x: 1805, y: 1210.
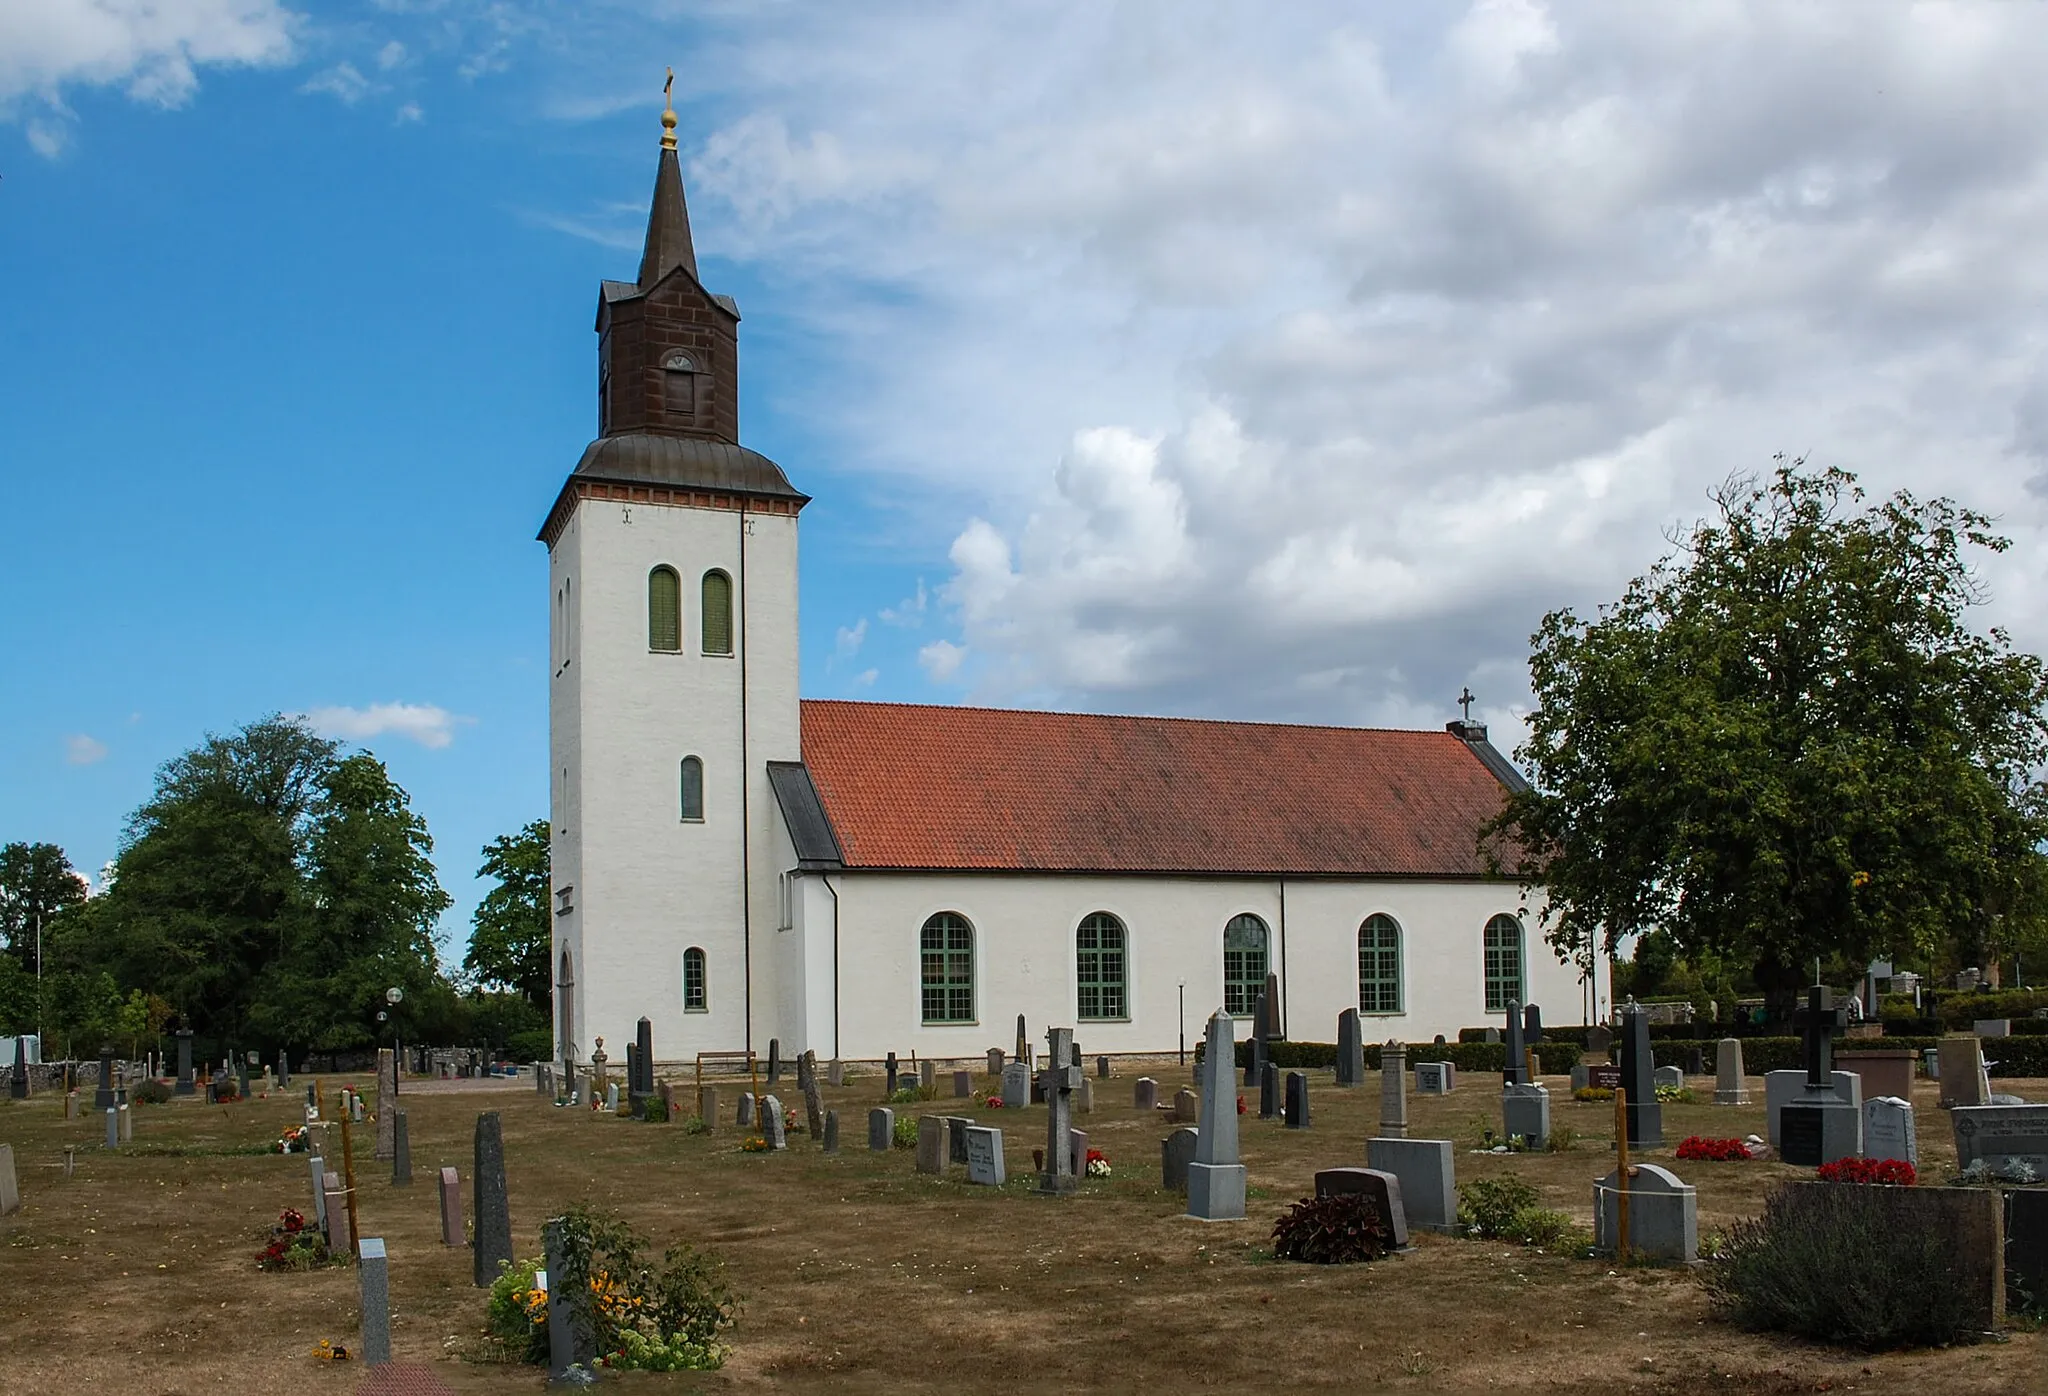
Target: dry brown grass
x: 137, y: 1273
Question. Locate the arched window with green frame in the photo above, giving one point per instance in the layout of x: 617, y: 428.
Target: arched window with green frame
x: 1379, y: 965
x: 1100, y: 964
x: 717, y: 613
x: 664, y: 610
x: 1503, y: 948
x: 1244, y: 964
x: 946, y: 969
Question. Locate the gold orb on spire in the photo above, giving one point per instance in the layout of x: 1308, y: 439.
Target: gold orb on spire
x: 668, y: 116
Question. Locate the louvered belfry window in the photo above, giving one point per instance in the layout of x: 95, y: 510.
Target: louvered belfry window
x: 1379, y: 965
x: 664, y: 609
x: 946, y: 972
x: 1099, y: 968
x: 717, y: 613
x: 1503, y: 963
x: 1244, y: 964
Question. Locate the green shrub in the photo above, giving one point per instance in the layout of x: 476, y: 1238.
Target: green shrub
x: 1338, y: 1230
x: 1563, y: 1139
x: 533, y: 1045
x: 654, y: 1110
x: 695, y: 1125
x: 1547, y: 1229
x: 665, y: 1316
x: 1842, y: 1264
x: 517, y: 1314
x: 905, y: 1136
x: 1556, y: 1058
x: 905, y: 1095
x: 1488, y: 1206
x: 150, y: 1093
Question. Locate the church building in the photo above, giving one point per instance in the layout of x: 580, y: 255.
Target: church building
x: 738, y: 864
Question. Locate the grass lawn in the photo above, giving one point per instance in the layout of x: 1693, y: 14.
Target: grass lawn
x: 138, y: 1274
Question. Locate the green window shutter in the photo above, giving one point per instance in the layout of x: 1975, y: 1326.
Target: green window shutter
x: 664, y: 610
x: 717, y: 613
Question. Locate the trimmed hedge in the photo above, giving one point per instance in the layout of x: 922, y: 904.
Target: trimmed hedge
x: 1556, y: 1058
x: 2008, y: 1056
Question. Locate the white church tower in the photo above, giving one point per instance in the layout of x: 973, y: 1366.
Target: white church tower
x: 673, y: 600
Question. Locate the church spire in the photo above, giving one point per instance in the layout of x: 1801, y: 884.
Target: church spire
x: 668, y: 223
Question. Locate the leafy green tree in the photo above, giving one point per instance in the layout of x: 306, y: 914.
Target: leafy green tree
x: 512, y: 933
x: 17, y: 998
x: 1785, y: 743
x: 37, y: 882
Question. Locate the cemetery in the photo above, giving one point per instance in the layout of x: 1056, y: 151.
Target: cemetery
x: 1086, y: 1220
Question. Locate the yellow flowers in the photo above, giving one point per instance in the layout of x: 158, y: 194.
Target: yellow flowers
x: 1859, y: 879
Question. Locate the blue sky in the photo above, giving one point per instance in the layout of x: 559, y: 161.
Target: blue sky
x: 1146, y: 357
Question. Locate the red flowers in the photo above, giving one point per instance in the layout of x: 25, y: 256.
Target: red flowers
x: 1240, y: 1105
x: 994, y: 1102
x: 1891, y: 1171
x: 291, y: 1220
x: 1714, y: 1150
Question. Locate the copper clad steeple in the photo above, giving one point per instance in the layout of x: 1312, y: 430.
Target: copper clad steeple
x: 668, y: 222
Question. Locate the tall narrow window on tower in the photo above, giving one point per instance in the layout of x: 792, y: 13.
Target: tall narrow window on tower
x: 664, y: 609
x: 693, y: 790
x: 717, y: 613
x: 682, y: 387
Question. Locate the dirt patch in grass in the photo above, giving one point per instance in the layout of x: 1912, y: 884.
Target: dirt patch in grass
x: 860, y: 1274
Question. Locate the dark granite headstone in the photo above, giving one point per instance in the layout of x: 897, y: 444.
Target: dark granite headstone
x: 1695, y: 1062
x: 1383, y: 1188
x: 2026, y: 1242
x: 186, y: 1085
x: 831, y: 1131
x: 1297, y: 1100
x: 1350, y: 1049
x: 1515, y: 1070
x: 570, y: 1340
x: 775, y: 1060
x: 1639, y: 1079
x: 1255, y: 1070
x: 103, y: 1095
x: 646, y: 1055
x: 889, y: 1077
x: 1532, y: 1025
x: 17, y: 1084
x: 401, y: 1151
x: 489, y: 1200
x: 1269, y: 1091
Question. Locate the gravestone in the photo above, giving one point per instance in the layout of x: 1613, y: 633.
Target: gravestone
x: 489, y: 1202
x: 451, y: 1208
x: 1145, y: 1094
x: 387, y: 1101
x: 1350, y: 1049
x: 1296, y: 1108
x: 774, y: 1127
x: 1884, y: 1072
x: 571, y: 1343
x: 1525, y: 1110
x: 1600, y: 1039
x: 2000, y: 1135
x: 1695, y: 1063
x: 835, y: 1073
x: 1216, y: 1180
x: 1434, y: 1078
x: 124, y: 1119
x: 2026, y: 1239
x: 956, y: 1138
x: 665, y: 1092
x: 932, y: 1148
x: 707, y: 1108
x: 1491, y: 1037
x: 1993, y: 1027
x: 340, y: 1239
x: 1966, y: 1221
x: 1016, y: 1086
x: 831, y: 1131
x: 1383, y: 1188
x: 1276, y: 1018
x: 985, y: 1157
x: 814, y: 1102
x: 633, y: 1078
x: 1187, y: 1106
x: 1255, y: 1070
x: 1022, y: 1054
x: 373, y: 1293
x: 1426, y: 1169
x: 318, y: 1167
x: 995, y: 1061
x: 103, y: 1093
x: 1061, y: 1078
x: 1663, y: 1214
x: 401, y: 1151
x: 10, y: 1185
x: 889, y: 1074
x: 113, y: 1129
x: 1515, y: 1069
x: 1394, y: 1090
x: 1532, y: 1025
x: 881, y: 1129
x: 185, y: 1084
x: 284, y: 1069
x: 743, y: 1115
x: 963, y: 1084
x: 1645, y: 1117
x: 1731, y: 1087
x: 1888, y: 1130
x: 1671, y: 1076
x: 1077, y: 1151
x: 1781, y: 1088
x: 928, y: 1075
x: 1084, y: 1096
x: 1176, y: 1152
x: 1819, y: 1126
x: 1963, y: 1075
x: 1269, y: 1091
x: 1603, y: 1076
x: 775, y: 1060
x: 645, y: 1033
x: 1102, y: 1068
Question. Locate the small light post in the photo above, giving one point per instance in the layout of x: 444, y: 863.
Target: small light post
x: 395, y: 996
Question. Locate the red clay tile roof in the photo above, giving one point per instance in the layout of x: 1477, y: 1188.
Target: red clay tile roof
x: 987, y: 789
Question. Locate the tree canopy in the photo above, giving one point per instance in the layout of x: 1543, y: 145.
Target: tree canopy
x: 36, y: 883
x: 513, y: 934
x: 1784, y: 742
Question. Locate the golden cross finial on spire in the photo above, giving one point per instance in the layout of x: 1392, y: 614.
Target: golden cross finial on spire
x: 668, y: 116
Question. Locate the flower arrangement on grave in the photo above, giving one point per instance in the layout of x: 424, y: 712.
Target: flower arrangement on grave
x: 1713, y: 1150
x: 1889, y: 1172
x: 1240, y: 1105
x: 789, y: 1118
x: 292, y: 1141
x: 645, y: 1315
x: 994, y: 1102
x: 293, y: 1244
x: 1675, y: 1095
x: 754, y: 1144
x: 1590, y: 1093
x: 1098, y: 1164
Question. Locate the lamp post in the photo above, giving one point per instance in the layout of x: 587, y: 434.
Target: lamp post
x: 395, y: 996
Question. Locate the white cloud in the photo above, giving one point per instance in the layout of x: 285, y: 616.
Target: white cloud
x: 424, y: 723
x: 391, y: 55
x: 343, y: 81
x: 81, y: 750
x: 909, y: 612
x: 866, y: 678
x: 152, y: 49
x: 941, y: 659
x: 848, y: 642
x: 408, y: 114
